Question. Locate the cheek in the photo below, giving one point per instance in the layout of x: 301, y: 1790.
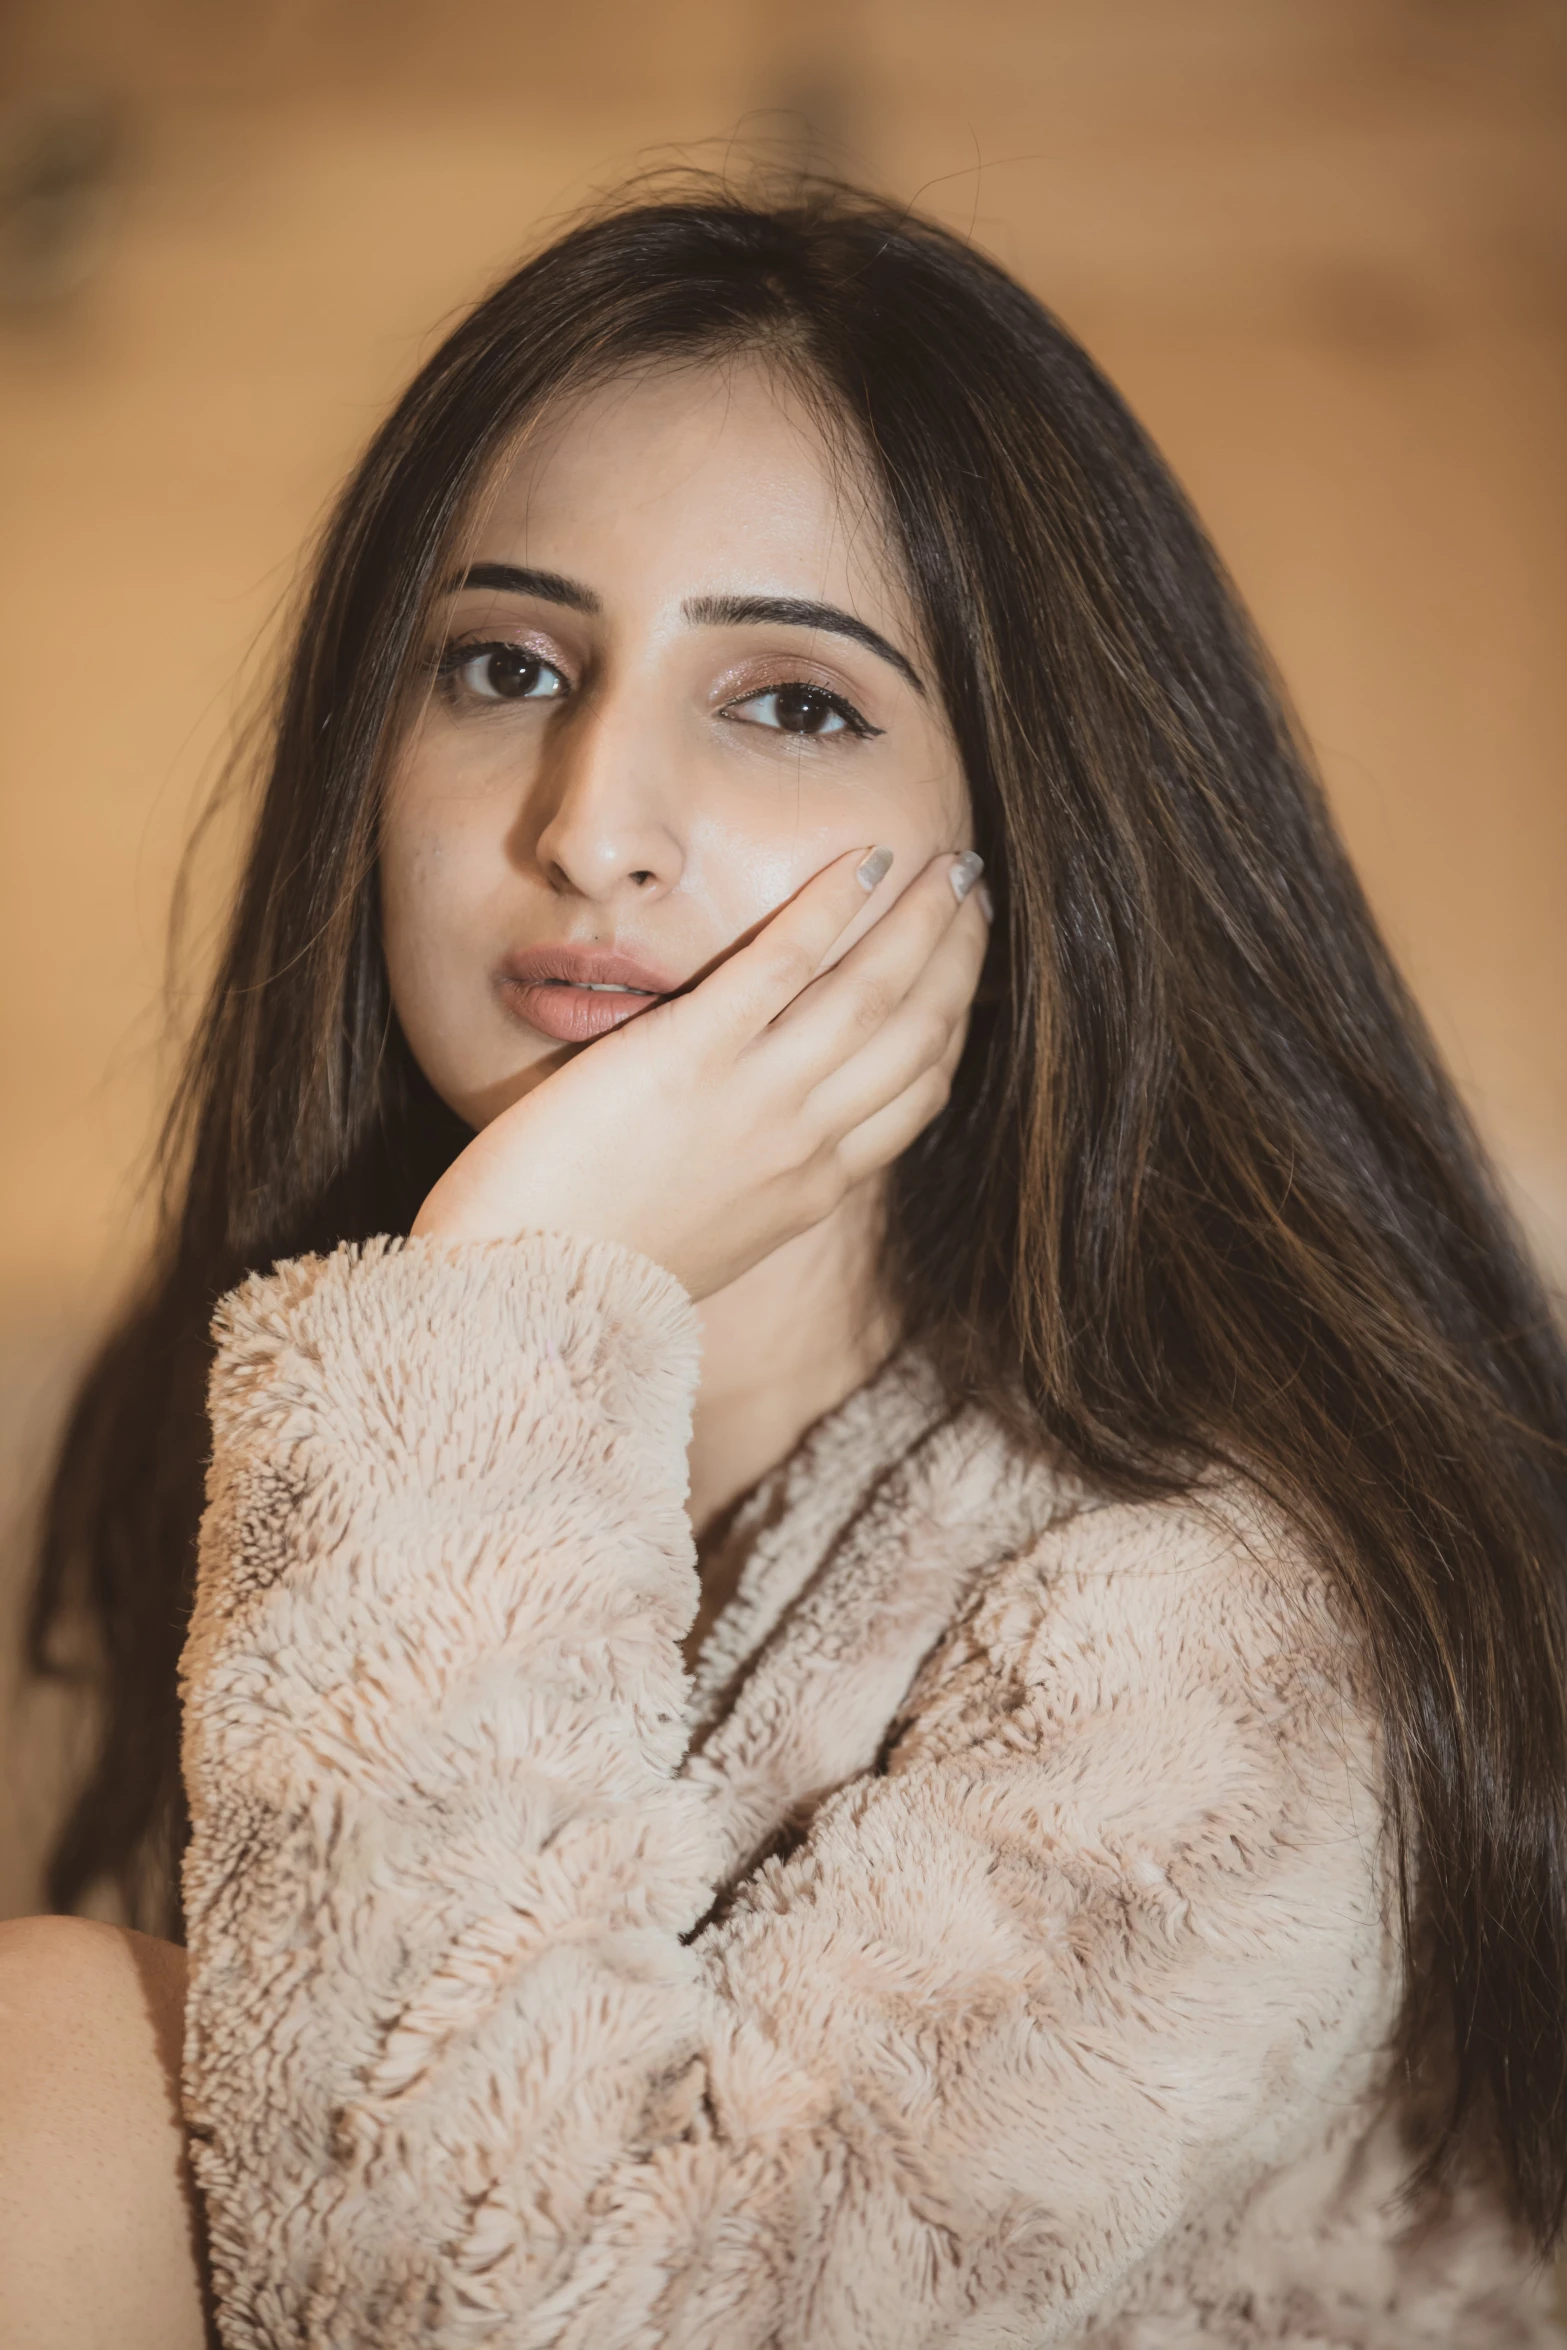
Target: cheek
x: 437, y: 882
x: 443, y: 851
x: 744, y: 871
x: 415, y: 919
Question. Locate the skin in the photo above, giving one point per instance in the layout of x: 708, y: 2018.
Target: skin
x: 99, y: 2231
x: 651, y: 792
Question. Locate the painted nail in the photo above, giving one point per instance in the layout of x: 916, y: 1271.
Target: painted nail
x: 985, y: 902
x: 875, y: 868
x: 965, y: 873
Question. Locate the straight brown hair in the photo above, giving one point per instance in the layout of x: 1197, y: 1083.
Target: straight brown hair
x: 1203, y: 1193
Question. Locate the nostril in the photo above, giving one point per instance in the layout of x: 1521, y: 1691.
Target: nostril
x: 641, y: 879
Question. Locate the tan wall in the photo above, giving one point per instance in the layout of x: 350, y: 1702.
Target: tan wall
x: 1320, y: 245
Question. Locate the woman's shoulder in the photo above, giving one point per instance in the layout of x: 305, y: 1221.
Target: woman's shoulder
x: 1221, y: 1544
x: 1216, y: 1545
x: 1206, y: 1609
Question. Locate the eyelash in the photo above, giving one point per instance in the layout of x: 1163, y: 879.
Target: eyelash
x: 456, y: 657
x: 854, y: 722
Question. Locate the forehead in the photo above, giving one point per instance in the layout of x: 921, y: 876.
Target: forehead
x: 687, y: 480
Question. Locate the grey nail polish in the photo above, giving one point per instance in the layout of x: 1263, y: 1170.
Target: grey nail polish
x: 965, y: 873
x: 875, y: 868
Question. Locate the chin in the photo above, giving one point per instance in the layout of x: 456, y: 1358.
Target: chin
x: 480, y: 1104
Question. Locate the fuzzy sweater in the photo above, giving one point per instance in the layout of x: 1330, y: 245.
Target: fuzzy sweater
x: 989, y: 1947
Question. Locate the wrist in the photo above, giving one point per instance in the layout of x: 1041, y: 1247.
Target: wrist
x: 454, y: 1210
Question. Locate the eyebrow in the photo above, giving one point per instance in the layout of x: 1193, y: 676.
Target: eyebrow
x: 797, y: 612
x: 512, y: 580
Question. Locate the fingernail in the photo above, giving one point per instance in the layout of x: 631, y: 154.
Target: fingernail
x: 965, y: 873
x: 875, y: 868
x: 985, y: 902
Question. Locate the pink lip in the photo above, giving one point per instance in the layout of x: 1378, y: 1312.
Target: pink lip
x: 551, y: 988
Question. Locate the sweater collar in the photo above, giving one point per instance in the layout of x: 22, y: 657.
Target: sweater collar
x: 856, y: 1553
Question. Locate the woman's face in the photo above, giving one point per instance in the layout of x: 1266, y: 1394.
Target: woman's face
x: 678, y: 673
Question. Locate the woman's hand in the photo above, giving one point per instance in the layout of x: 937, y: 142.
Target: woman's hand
x: 710, y: 1130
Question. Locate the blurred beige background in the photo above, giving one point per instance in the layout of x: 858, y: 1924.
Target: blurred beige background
x: 1321, y: 244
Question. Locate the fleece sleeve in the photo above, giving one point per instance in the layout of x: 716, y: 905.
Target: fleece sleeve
x: 464, y: 2062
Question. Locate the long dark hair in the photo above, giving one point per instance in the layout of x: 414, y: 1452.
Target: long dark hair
x: 1202, y: 1193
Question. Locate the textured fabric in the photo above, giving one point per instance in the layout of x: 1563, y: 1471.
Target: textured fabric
x: 991, y: 1947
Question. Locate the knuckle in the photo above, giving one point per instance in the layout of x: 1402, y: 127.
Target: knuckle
x: 826, y: 1177
x: 818, y: 1131
x: 874, y: 1001
x: 932, y: 1035
x: 789, y: 964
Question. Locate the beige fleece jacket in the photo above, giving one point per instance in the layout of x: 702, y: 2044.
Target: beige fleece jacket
x: 990, y: 1947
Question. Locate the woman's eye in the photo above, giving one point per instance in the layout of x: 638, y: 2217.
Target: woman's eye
x: 502, y: 673
x: 802, y: 709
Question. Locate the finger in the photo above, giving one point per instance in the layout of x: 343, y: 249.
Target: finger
x: 754, y: 985
x: 853, y: 1001
x: 880, y: 1139
x: 917, y: 1035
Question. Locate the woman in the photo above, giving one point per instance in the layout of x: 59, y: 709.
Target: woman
x: 1104, y: 1874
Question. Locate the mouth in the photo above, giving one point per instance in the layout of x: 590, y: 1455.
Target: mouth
x: 574, y: 994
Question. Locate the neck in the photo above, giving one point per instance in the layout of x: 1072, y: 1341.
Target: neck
x: 781, y: 1346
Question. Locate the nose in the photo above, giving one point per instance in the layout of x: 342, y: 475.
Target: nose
x: 606, y: 816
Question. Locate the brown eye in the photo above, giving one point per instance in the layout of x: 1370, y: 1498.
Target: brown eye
x: 504, y: 673
x: 804, y: 709
x: 801, y: 709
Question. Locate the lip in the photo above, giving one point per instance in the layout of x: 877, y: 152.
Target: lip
x: 552, y: 989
